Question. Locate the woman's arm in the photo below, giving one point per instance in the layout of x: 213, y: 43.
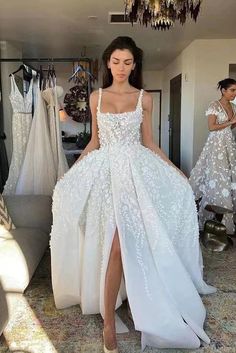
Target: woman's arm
x: 94, y: 142
x: 234, y: 111
x: 146, y: 130
x: 213, y: 126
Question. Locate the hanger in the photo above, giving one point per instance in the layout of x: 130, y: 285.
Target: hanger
x: 78, y: 69
x: 27, y: 76
x: 21, y: 67
x: 41, y: 78
x: 51, y: 76
x: 32, y: 68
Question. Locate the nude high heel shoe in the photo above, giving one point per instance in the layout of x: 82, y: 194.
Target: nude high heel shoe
x: 108, y: 350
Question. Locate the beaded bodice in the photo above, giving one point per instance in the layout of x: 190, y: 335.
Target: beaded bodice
x: 121, y: 128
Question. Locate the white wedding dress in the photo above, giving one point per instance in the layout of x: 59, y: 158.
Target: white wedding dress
x: 38, y: 174
x: 50, y: 95
x: 125, y: 185
x: 213, y: 179
x: 21, y: 124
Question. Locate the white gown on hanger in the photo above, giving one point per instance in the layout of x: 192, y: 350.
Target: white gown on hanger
x: 125, y: 185
x: 38, y: 172
x: 21, y: 123
x: 51, y: 95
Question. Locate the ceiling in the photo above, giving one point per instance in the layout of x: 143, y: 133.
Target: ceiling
x: 53, y: 28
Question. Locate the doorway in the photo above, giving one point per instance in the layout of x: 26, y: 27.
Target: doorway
x: 175, y: 120
x: 156, y: 115
x: 232, y: 74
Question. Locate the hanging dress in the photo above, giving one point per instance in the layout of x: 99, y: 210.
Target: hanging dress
x: 125, y: 185
x: 38, y: 173
x: 21, y: 124
x: 214, y: 177
x: 50, y: 95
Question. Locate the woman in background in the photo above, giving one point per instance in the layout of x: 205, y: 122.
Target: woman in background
x: 213, y: 179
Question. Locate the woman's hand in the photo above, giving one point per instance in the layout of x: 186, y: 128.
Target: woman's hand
x: 214, y: 126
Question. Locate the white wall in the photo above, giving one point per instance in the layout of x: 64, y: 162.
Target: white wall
x: 152, y: 79
x: 187, y: 107
x: 232, y: 71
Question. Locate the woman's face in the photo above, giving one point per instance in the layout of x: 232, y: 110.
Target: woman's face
x: 121, y: 64
x: 230, y: 92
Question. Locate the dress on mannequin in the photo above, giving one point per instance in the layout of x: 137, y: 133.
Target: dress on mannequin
x: 214, y: 177
x: 21, y: 124
x: 125, y: 185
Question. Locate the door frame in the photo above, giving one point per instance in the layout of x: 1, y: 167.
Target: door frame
x: 177, y: 78
x: 159, y: 91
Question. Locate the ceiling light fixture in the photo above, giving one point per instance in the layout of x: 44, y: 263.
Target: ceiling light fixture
x: 161, y: 14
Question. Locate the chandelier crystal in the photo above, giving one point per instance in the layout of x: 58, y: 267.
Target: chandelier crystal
x: 161, y: 14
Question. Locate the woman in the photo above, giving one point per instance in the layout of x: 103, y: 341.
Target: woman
x: 125, y: 221
x: 214, y: 177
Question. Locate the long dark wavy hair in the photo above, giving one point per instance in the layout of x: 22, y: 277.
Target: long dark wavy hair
x: 226, y: 83
x: 135, y: 78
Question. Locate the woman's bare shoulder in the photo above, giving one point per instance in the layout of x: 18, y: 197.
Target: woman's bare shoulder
x: 94, y: 94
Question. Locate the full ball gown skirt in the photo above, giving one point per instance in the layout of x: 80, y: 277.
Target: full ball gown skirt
x: 213, y: 179
x: 125, y: 185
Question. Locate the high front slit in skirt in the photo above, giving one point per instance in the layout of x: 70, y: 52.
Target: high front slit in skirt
x: 153, y: 208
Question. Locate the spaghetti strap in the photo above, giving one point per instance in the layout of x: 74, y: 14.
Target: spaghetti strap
x: 99, y: 100
x: 139, y: 103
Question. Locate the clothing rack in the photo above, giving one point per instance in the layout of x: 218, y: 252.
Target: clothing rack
x: 54, y: 60
x: 47, y: 60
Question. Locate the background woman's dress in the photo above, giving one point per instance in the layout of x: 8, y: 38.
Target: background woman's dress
x: 125, y: 185
x: 214, y: 177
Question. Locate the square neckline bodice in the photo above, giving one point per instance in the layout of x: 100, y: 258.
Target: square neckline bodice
x: 138, y: 105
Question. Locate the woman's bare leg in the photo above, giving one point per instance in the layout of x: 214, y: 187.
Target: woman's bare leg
x: 112, y: 286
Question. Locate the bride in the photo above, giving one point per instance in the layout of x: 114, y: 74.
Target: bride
x: 125, y: 222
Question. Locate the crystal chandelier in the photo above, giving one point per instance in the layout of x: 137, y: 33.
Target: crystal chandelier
x: 161, y: 14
